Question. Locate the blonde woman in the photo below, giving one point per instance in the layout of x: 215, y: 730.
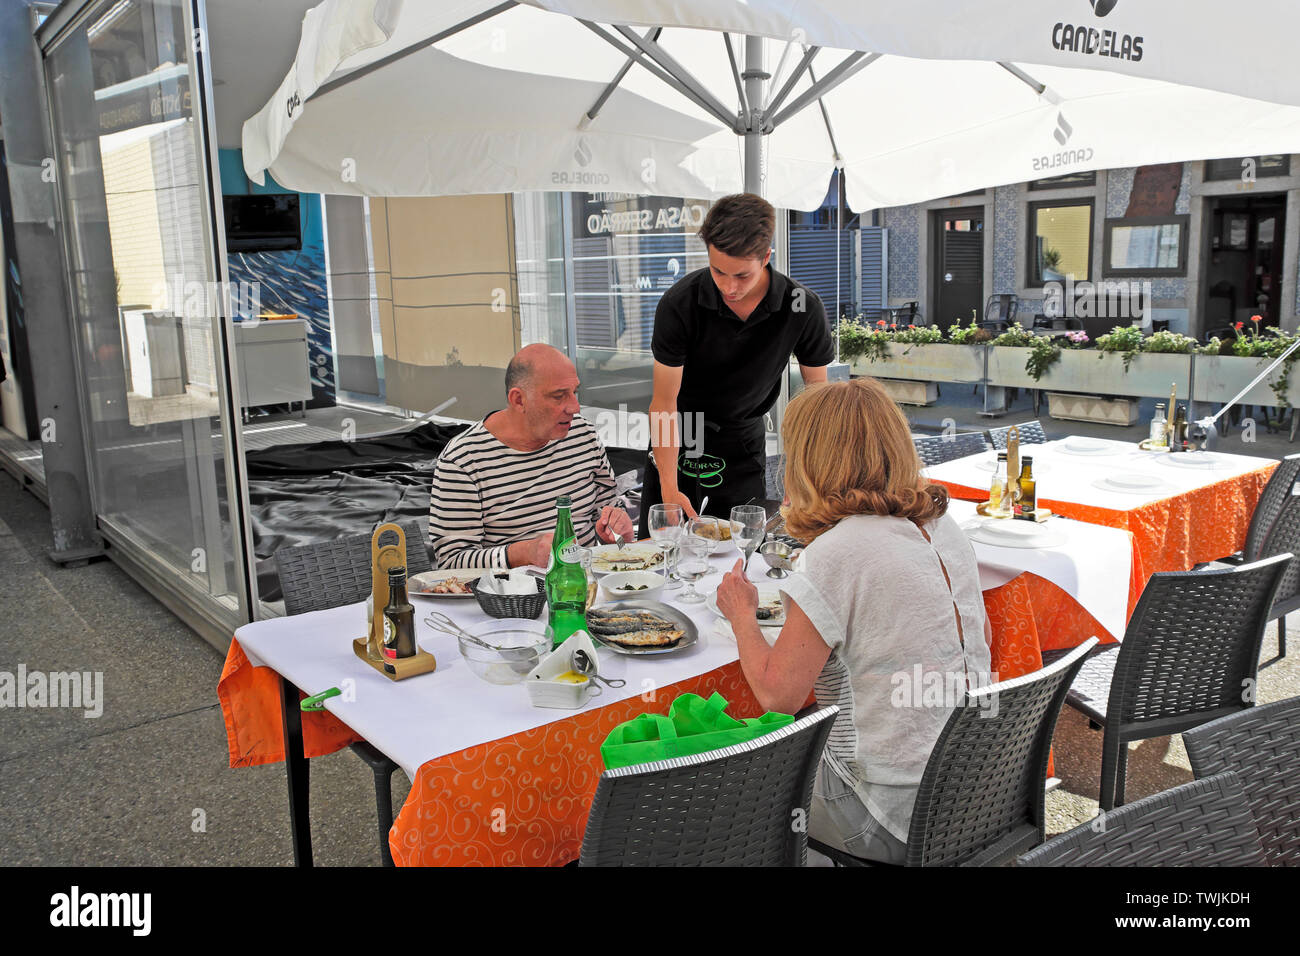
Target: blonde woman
x: 884, y: 616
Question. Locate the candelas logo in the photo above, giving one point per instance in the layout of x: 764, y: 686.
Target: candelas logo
x: 1089, y: 41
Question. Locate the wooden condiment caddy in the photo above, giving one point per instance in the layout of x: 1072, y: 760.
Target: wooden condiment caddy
x: 371, y: 647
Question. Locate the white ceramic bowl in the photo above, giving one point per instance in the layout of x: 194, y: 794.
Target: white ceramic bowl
x: 653, y: 581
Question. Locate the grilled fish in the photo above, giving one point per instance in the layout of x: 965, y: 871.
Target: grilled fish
x: 658, y: 638
x: 625, y: 622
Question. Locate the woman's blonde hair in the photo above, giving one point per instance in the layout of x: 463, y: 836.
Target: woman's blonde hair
x: 849, y: 451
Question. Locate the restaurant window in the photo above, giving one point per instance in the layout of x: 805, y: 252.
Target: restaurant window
x: 1275, y: 164
x: 1146, y: 246
x: 1060, y: 241
x: 1068, y: 181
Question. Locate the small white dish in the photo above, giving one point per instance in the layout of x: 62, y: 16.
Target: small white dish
x: 1086, y: 446
x: 547, y: 690
x: 1011, y: 533
x: 1133, y: 484
x: 1188, y: 459
x: 633, y: 585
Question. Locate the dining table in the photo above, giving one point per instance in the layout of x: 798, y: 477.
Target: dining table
x: 497, y: 781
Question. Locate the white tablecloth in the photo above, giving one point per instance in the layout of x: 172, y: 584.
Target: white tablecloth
x: 1092, y: 564
x: 1062, y: 476
x: 426, y: 717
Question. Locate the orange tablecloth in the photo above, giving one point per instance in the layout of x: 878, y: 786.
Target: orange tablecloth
x: 1175, y: 533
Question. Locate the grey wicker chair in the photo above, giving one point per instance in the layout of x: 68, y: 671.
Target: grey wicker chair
x: 1031, y: 433
x: 1202, y: 823
x: 1262, y: 746
x: 1284, y: 537
x: 1190, y: 655
x: 330, y: 574
x: 936, y: 449
x: 980, y: 800
x: 739, y: 806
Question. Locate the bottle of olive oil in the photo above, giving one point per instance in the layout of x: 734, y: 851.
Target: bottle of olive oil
x: 1028, y: 502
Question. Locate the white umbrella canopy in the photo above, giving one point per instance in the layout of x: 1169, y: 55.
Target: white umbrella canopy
x: 397, y: 98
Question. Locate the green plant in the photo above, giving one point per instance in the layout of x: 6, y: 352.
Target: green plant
x: 918, y: 335
x: 1016, y: 336
x: 1166, y: 341
x: 1212, y: 347
x: 1043, y: 354
x: 1125, y: 339
x: 1052, y: 259
x: 960, y: 335
x: 853, y: 337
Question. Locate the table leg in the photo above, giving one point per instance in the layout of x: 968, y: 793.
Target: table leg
x: 297, y: 770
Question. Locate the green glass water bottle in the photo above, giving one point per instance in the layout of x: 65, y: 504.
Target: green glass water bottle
x: 566, y: 582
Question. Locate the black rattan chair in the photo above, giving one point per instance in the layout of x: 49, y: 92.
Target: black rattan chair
x: 1031, y: 433
x: 1267, y: 510
x: 936, y: 449
x: 1203, y: 823
x: 739, y: 806
x: 1262, y: 746
x: 1190, y: 655
x: 315, y: 577
x: 980, y: 800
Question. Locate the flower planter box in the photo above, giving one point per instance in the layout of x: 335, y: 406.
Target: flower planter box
x: 1090, y: 372
x: 1220, y: 377
x: 1089, y: 408
x: 938, y: 362
x: 907, y: 392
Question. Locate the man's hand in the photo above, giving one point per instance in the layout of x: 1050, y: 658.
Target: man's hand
x: 614, y: 521
x: 678, y: 498
x: 530, y: 551
x: 737, y: 597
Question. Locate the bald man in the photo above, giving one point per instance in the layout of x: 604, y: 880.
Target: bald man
x: 492, y: 503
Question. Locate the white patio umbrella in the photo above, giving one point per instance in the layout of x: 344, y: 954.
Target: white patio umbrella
x: 914, y: 101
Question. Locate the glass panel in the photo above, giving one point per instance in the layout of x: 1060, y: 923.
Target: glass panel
x: 1275, y: 164
x: 1060, y: 242
x: 1068, y: 181
x: 143, y: 291
x: 1153, y: 246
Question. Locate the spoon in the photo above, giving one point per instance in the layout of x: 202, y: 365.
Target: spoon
x: 583, y: 664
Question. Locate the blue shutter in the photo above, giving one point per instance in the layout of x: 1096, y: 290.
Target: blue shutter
x: 812, y: 262
x: 874, y: 289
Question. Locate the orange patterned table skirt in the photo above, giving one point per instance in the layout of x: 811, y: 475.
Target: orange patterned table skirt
x: 1172, y: 534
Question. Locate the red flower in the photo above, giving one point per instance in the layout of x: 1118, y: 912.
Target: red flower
x: 881, y: 323
x: 893, y: 325
x: 911, y: 326
x: 1257, y: 319
x: 1239, y: 326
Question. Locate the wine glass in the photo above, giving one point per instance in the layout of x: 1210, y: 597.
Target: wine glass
x: 692, y: 565
x: 748, y: 523
x: 667, y: 528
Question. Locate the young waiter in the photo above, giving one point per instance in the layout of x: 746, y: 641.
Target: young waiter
x: 722, y: 340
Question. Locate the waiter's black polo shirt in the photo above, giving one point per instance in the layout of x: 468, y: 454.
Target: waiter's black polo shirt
x: 731, y: 369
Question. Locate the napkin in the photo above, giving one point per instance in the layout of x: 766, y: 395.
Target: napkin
x: 517, y: 582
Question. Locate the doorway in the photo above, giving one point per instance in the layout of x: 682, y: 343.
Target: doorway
x: 957, y: 274
x: 1242, y: 273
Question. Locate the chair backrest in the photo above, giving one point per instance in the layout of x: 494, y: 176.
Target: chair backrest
x: 739, y: 806
x: 1031, y: 433
x: 1284, y: 538
x: 1262, y: 747
x: 1269, y: 507
x: 981, y: 796
x: 328, y: 574
x: 1001, y: 307
x: 1202, y: 823
x: 936, y: 449
x: 1191, y: 649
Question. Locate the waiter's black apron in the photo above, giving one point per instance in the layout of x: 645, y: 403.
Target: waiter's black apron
x: 730, y: 470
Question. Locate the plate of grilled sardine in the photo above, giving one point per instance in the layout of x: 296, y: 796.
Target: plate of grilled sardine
x: 641, y: 627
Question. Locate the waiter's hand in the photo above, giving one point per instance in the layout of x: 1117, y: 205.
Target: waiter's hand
x: 614, y: 521
x: 678, y: 498
x: 737, y: 597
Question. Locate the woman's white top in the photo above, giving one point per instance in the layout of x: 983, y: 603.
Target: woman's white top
x: 874, y: 589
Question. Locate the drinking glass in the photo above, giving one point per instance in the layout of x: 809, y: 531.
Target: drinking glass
x: 692, y: 565
x: 747, y: 528
x: 706, y: 528
x: 666, y: 528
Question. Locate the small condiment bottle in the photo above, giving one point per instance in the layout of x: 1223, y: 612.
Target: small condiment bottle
x: 1158, y: 423
x: 1028, y: 502
x: 998, y: 486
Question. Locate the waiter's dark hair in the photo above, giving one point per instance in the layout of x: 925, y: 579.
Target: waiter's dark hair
x: 740, y: 225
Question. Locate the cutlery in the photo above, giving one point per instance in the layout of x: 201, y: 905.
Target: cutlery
x: 583, y: 664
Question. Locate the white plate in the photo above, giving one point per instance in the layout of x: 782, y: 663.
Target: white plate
x: 1132, y: 484
x: 765, y: 596
x: 418, y: 584
x: 605, y: 558
x: 1010, y: 533
x: 1188, y: 459
x: 1086, y: 446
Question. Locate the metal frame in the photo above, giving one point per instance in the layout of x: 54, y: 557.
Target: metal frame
x: 1184, y: 232
x: 1031, y: 233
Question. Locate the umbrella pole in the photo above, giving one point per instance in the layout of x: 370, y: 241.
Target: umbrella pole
x: 754, y: 77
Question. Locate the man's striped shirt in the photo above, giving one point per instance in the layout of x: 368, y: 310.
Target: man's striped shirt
x: 487, y: 495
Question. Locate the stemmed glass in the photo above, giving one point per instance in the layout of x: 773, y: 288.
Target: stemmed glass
x: 692, y: 565
x: 747, y: 526
x: 706, y: 528
x: 667, y: 528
